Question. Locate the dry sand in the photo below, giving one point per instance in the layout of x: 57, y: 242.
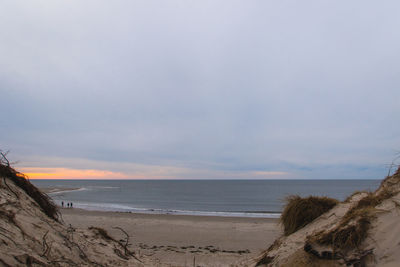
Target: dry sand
x: 175, y: 240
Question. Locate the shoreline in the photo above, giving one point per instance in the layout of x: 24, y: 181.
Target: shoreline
x: 129, y: 214
x: 175, y: 240
x: 111, y: 207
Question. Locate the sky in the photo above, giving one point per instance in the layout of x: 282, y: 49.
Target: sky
x: 210, y: 89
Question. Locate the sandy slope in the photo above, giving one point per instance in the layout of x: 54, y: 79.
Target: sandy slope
x: 29, y: 238
x: 381, y: 247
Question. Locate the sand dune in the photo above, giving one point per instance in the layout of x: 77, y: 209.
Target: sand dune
x: 362, y: 231
x: 31, y: 234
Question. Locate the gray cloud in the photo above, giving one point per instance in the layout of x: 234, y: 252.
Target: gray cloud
x: 303, y: 88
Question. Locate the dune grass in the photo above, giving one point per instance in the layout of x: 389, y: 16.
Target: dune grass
x: 101, y: 232
x: 347, y: 236
x: 372, y: 199
x: 20, y: 180
x: 299, y: 211
x: 350, y: 233
x: 355, y: 224
x: 350, y: 198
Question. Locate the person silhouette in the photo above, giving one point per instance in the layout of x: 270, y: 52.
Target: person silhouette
x: 62, y: 204
x: 68, y: 205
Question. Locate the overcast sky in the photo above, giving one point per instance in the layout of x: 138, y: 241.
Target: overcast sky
x: 200, y: 89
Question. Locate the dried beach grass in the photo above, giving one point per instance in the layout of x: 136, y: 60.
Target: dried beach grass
x: 20, y: 180
x: 355, y: 224
x: 299, y: 212
x: 101, y: 232
x: 350, y: 233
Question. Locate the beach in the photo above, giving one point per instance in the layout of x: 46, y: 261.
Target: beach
x: 360, y: 231
x: 175, y: 240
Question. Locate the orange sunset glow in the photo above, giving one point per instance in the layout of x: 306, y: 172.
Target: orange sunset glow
x: 65, y: 173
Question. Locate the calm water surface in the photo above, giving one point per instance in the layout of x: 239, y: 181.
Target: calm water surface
x: 251, y: 198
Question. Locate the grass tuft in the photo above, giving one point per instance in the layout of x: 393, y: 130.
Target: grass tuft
x: 101, y: 232
x: 372, y: 200
x: 265, y: 260
x: 350, y: 233
x: 299, y: 212
x: 19, y: 179
x: 354, y: 226
x: 355, y: 193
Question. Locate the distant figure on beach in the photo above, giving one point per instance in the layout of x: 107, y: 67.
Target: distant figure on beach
x: 71, y: 204
x: 62, y: 204
x: 68, y: 205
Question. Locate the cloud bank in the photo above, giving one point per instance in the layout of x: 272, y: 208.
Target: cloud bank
x: 201, y: 89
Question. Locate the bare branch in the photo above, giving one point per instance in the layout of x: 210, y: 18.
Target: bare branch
x: 393, y: 164
x: 125, y: 246
x: 4, y: 159
x: 46, y: 247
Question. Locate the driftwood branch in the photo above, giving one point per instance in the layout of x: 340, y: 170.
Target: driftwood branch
x: 46, y: 247
x: 9, y: 188
x: 119, y: 254
x: 5, y: 162
x: 70, y: 232
x: 125, y: 246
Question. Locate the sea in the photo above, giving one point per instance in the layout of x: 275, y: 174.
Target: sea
x: 232, y: 198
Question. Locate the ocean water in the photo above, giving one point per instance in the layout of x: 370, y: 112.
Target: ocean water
x: 246, y: 198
